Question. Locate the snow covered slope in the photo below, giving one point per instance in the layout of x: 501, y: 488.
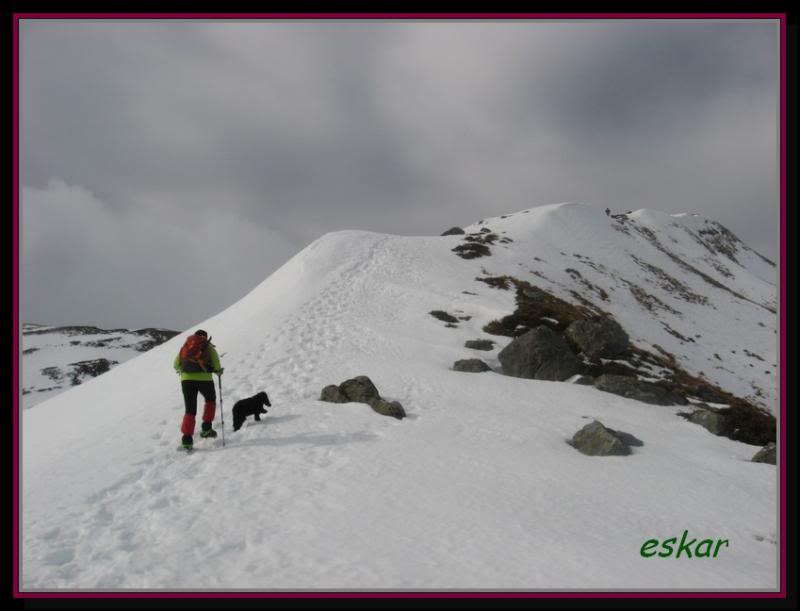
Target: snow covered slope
x: 679, y: 282
x: 475, y: 489
x: 56, y: 358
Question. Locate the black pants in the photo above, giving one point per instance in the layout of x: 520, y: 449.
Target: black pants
x: 191, y: 388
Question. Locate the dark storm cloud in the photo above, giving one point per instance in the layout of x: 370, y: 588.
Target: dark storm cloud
x: 632, y: 80
x: 300, y: 128
x: 678, y: 118
x: 243, y: 122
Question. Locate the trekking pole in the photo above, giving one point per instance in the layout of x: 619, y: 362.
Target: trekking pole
x: 221, y: 412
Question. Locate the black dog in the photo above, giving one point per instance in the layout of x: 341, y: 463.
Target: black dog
x: 249, y: 407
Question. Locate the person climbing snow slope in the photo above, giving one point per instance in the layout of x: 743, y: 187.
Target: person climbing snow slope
x: 196, y: 362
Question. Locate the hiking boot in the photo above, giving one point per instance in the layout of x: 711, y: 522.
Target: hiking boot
x: 206, y: 433
x: 186, y: 442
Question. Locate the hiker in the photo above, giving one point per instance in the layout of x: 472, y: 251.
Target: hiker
x: 608, y: 211
x: 195, y: 363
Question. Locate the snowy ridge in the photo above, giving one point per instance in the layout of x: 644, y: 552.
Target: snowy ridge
x: 666, y: 282
x: 57, y: 357
x: 476, y: 488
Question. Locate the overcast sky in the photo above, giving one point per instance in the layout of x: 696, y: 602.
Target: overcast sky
x: 168, y: 167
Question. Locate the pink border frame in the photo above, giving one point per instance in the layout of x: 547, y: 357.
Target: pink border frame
x: 781, y: 17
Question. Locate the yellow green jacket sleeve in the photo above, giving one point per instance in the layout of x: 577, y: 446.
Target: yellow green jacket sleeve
x: 215, y: 364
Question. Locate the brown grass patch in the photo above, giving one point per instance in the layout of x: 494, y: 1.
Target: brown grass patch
x: 533, y: 306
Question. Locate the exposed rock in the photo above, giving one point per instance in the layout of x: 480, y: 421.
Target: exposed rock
x: 443, y: 316
x: 70, y: 330
x: 480, y: 344
x: 497, y: 282
x: 740, y: 422
x: 68, y: 343
x: 388, y: 408
x: 673, y: 285
x: 578, y: 277
x: 596, y: 440
x: 539, y: 354
x: 598, y: 338
x: 472, y: 250
x: 751, y: 424
x: 627, y: 438
x: 332, y: 394
x: 584, y: 380
x: 621, y: 368
x: 767, y: 454
x: 54, y: 373
x: 454, y: 231
x: 155, y: 337
x: 484, y: 236
x: 361, y: 390
x: 89, y: 369
x: 152, y: 337
x: 80, y: 371
x: 713, y: 421
x: 471, y: 366
x: 637, y: 389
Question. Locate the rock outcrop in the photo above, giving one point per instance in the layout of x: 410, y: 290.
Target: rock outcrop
x: 444, y: 316
x: 633, y: 388
x: 712, y: 420
x: 471, y: 366
x: 740, y: 422
x: 388, y: 408
x: 333, y: 394
x: 361, y: 390
x: 539, y: 354
x: 767, y: 454
x: 480, y: 344
x: 454, y: 231
x: 595, y: 439
x: 598, y: 337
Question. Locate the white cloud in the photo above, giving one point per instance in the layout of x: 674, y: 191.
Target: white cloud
x: 84, y: 262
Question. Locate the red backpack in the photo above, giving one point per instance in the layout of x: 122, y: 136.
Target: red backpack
x: 194, y: 354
